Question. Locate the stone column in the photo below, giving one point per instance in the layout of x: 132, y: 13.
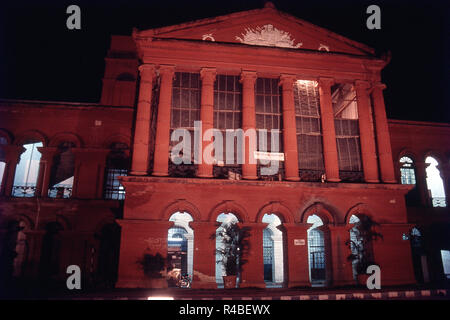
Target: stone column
x: 444, y: 170
x: 382, y: 132
x: 12, y: 158
x: 139, y: 237
x: 248, y: 79
x: 342, y: 272
x: 297, y: 254
x: 161, y: 156
x: 208, y: 76
x: 45, y: 168
x: 368, y: 151
x: 421, y: 182
x: 204, y: 255
x: 139, y: 164
x: 289, y: 128
x: 252, y: 274
x: 330, y: 154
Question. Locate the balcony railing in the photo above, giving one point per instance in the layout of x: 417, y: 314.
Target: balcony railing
x: 24, y: 191
x: 60, y: 191
x: 439, y: 202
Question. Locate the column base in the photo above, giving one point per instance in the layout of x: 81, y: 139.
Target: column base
x: 138, y: 173
x: 160, y: 174
x: 203, y: 285
x: 204, y: 176
x: 250, y: 177
x: 390, y: 181
x: 293, y: 284
x: 292, y: 178
x: 333, y: 180
x: 252, y: 285
x: 372, y: 181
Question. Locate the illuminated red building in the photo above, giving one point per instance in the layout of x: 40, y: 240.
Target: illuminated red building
x: 63, y: 203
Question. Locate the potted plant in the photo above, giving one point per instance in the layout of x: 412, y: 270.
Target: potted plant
x: 154, y: 266
x: 233, y: 248
x: 362, y: 236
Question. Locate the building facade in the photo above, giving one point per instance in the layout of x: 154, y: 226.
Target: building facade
x: 99, y: 185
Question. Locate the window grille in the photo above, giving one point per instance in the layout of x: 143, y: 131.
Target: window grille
x: 113, y: 189
x: 407, y: 171
x: 309, y: 135
x: 268, y: 114
x: 267, y: 254
x: 316, y: 246
x: 227, y: 115
x: 186, y: 92
x: 347, y: 132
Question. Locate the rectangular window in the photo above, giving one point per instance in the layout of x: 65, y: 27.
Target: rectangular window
x: 309, y: 132
x: 186, y: 92
x: 347, y: 132
x: 113, y: 189
x: 227, y: 109
x: 268, y: 114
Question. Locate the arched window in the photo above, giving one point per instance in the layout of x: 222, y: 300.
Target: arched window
x: 316, y: 250
x: 407, y: 173
x: 27, y: 171
x: 108, y: 255
x: 61, y: 176
x: 224, y: 219
x: 13, y: 251
x: 273, y: 251
x: 435, y: 184
x: 180, y: 247
x: 117, y: 164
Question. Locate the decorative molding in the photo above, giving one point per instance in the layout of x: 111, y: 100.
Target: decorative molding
x: 269, y: 36
x: 324, y: 47
x: 208, y: 36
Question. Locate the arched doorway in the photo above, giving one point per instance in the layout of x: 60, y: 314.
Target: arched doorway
x: 180, y: 247
x: 13, y: 252
x: 224, y: 219
x: 316, y: 252
x: 49, y: 267
x: 108, y: 255
x: 273, y: 257
x: 435, y: 183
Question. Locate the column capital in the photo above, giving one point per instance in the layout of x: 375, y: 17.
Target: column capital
x: 248, y: 76
x: 287, y: 80
x: 379, y: 85
x: 166, y: 70
x: 208, y: 74
x: 47, y: 152
x: 325, y: 82
x: 362, y: 84
x: 147, y: 70
x: 12, y: 152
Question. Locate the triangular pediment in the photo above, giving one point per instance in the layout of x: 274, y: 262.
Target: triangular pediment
x: 262, y: 27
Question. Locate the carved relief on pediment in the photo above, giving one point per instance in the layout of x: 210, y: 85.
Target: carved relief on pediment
x: 269, y: 36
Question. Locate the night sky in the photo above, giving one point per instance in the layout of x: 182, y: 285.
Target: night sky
x: 41, y: 59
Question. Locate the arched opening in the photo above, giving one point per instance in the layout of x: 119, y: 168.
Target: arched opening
x: 273, y: 257
x: 108, y: 255
x: 419, y: 256
x: 316, y: 252
x: 225, y: 219
x: 61, y: 176
x: 117, y: 164
x: 27, y: 171
x: 180, y: 247
x: 13, y: 252
x: 49, y: 267
x: 435, y: 184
